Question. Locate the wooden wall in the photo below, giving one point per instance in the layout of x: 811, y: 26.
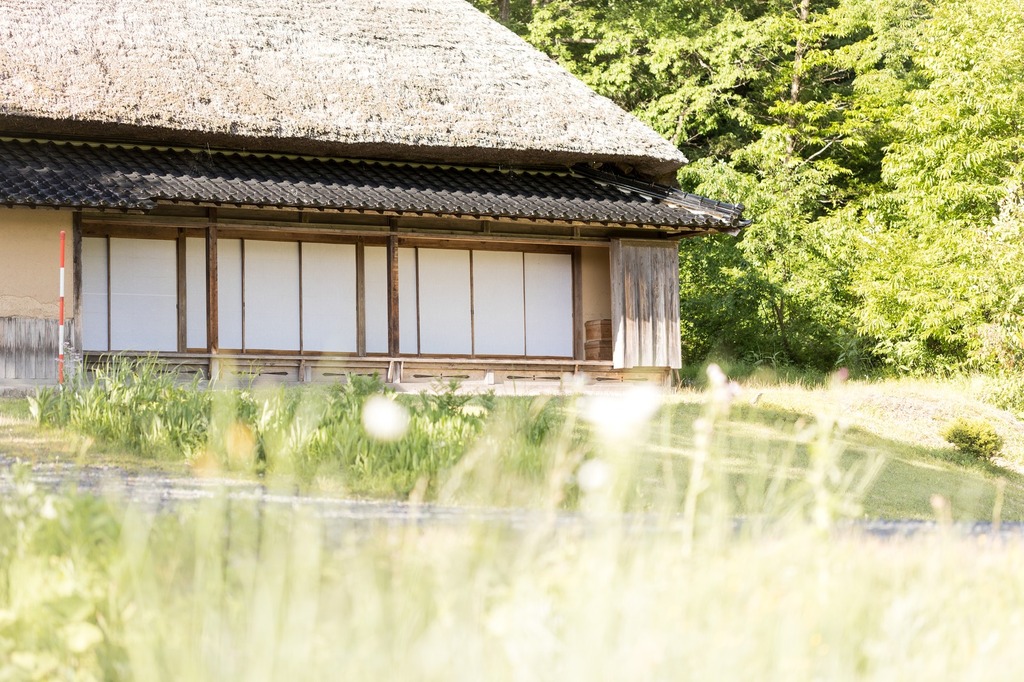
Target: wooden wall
x: 645, y: 304
x: 28, y: 347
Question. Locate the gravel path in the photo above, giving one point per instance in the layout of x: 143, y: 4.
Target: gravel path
x: 157, y: 491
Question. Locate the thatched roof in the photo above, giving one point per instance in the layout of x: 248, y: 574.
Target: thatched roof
x: 427, y: 80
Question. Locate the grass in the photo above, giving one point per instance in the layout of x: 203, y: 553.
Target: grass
x: 910, y: 474
x: 94, y: 588
x: 314, y: 438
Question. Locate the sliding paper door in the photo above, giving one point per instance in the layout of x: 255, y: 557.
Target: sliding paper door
x: 143, y: 295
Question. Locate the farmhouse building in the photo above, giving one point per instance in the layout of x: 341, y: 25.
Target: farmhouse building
x: 305, y: 189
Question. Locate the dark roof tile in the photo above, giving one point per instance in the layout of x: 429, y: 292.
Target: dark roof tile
x: 78, y: 175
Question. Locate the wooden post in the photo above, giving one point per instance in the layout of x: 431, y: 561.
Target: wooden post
x: 76, y: 278
x: 182, y: 294
x: 212, y: 299
x: 360, y: 298
x: 618, y: 306
x: 301, y: 334
x: 393, y: 330
x: 578, y: 345
x: 110, y: 296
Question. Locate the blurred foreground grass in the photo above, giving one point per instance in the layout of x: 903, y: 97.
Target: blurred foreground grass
x: 93, y: 589
x: 704, y: 547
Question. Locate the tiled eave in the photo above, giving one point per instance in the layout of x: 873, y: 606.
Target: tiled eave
x: 139, y: 179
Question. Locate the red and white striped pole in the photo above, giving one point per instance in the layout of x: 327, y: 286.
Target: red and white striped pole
x: 60, y: 321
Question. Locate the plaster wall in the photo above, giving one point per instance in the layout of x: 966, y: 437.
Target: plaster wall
x: 29, y: 281
x: 597, y: 283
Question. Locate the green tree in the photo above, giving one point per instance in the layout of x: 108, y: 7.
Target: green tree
x: 942, y: 280
x: 876, y: 143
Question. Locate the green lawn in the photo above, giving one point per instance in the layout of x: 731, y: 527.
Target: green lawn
x: 910, y: 475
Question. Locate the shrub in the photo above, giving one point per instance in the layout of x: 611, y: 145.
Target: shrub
x: 975, y: 437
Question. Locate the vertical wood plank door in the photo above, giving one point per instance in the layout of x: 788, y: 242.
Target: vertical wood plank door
x: 645, y: 304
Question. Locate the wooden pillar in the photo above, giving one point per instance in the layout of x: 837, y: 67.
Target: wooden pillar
x: 392, y: 256
x: 360, y: 298
x: 578, y: 334
x: 76, y: 278
x: 212, y: 299
x: 182, y: 294
x: 618, y: 306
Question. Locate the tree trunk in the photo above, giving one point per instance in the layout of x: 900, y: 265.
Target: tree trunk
x: 803, y: 13
x: 503, y: 7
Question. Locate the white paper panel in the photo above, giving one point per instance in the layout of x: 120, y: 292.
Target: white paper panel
x: 94, y: 293
x: 143, y: 295
x: 548, y: 304
x: 407, y: 275
x: 498, y: 325
x: 375, y: 271
x: 444, y: 302
x: 195, y: 293
x: 329, y: 297
x: 271, y: 295
x: 229, y: 293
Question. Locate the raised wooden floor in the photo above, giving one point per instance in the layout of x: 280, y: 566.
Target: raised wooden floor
x: 253, y: 368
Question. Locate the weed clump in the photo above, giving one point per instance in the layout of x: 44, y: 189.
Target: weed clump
x: 975, y: 437
x: 358, y: 431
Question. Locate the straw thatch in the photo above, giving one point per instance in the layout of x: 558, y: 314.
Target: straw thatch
x: 407, y: 79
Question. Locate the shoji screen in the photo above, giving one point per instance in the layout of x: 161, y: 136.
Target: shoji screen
x: 548, y: 293
x: 499, y: 324
x: 143, y: 295
x: 195, y: 292
x: 229, y: 296
x: 271, y: 295
x: 329, y: 297
x: 375, y: 269
x: 444, y: 303
x: 408, y: 322
x: 94, y: 294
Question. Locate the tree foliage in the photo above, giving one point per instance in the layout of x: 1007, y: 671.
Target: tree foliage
x: 877, y: 144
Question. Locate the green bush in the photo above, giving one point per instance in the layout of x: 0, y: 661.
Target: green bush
x: 975, y: 437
